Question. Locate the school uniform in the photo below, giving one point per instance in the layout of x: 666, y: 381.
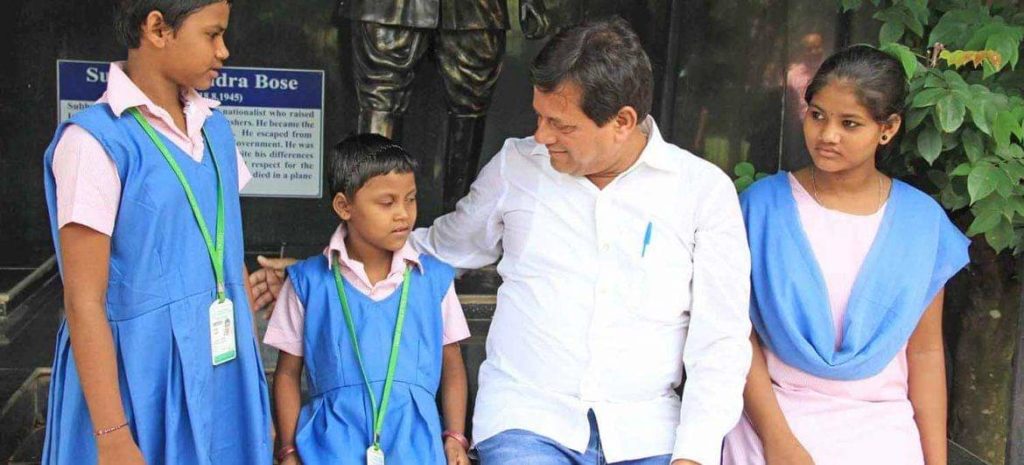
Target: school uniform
x: 836, y: 298
x: 335, y: 425
x: 180, y: 407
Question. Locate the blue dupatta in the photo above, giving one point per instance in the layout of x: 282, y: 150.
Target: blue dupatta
x: 916, y: 250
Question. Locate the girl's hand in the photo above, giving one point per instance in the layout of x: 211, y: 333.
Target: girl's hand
x: 455, y: 453
x: 291, y: 459
x: 791, y: 454
x: 118, y: 448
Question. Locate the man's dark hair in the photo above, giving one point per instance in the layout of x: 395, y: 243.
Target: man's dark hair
x: 606, y: 60
x: 360, y: 157
x: 130, y: 15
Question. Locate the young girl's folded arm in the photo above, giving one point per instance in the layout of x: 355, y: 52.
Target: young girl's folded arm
x: 762, y: 408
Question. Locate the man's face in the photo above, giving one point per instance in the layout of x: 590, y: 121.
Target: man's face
x: 578, y: 146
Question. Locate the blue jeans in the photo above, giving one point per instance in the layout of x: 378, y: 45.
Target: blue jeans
x: 521, y: 447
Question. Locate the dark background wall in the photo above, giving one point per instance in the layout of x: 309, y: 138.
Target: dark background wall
x: 720, y: 68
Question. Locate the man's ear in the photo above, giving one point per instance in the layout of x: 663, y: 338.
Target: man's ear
x: 342, y: 206
x: 625, y: 121
x: 154, y: 30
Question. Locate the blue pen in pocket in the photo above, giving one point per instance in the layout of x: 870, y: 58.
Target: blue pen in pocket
x: 647, y: 239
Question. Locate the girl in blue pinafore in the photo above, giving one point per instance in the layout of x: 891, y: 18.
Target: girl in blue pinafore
x: 157, y: 362
x: 375, y: 325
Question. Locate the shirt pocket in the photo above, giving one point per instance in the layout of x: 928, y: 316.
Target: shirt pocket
x: 661, y: 274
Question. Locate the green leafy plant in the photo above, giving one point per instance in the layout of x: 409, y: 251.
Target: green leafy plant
x: 964, y: 126
x: 746, y: 174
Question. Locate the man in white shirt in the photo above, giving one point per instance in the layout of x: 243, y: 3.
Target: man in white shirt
x: 623, y: 259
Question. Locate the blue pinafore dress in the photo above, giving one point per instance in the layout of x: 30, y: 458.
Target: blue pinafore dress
x: 181, y: 409
x: 335, y: 424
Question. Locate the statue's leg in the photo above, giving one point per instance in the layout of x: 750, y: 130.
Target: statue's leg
x: 384, y: 59
x: 469, y: 62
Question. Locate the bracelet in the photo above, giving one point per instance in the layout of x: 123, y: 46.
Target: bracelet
x: 106, y: 431
x: 284, y: 452
x: 458, y: 437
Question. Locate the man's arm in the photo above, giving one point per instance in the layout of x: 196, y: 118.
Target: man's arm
x: 470, y: 237
x: 717, y: 353
x: 265, y: 283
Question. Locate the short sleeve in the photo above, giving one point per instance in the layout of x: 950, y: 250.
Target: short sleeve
x: 88, y: 185
x: 453, y: 319
x: 285, y: 329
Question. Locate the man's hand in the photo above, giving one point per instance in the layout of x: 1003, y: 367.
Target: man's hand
x: 684, y: 462
x: 266, y: 282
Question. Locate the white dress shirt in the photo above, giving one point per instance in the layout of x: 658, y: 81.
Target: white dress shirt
x: 590, y: 318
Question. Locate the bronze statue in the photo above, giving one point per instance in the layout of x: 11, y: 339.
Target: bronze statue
x: 467, y: 38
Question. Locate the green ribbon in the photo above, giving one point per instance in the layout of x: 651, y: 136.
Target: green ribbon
x: 378, y: 412
x: 216, y: 252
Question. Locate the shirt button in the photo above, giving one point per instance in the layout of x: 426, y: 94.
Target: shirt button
x: 606, y: 247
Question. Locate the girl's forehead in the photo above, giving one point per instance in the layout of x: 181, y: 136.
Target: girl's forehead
x: 840, y: 98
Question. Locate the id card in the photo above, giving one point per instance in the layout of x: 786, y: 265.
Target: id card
x: 222, y: 331
x: 374, y: 456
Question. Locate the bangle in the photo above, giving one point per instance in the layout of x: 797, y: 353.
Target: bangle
x: 458, y: 437
x: 106, y: 431
x: 284, y: 452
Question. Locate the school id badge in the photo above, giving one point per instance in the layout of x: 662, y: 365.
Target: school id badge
x: 374, y: 456
x: 222, y: 331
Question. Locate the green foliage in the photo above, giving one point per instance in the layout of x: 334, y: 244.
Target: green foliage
x: 964, y: 125
x: 746, y: 174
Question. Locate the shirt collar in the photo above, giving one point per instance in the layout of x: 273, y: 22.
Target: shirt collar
x: 654, y: 154
x: 399, y: 260
x: 123, y: 94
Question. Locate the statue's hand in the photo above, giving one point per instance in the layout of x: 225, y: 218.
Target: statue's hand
x: 533, y: 20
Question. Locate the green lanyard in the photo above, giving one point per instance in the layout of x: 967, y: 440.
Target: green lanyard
x: 378, y: 413
x: 216, y: 252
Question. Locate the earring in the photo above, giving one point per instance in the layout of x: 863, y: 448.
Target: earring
x: 885, y: 138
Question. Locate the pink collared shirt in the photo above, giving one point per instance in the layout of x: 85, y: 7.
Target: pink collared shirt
x: 88, y: 187
x: 285, y: 330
